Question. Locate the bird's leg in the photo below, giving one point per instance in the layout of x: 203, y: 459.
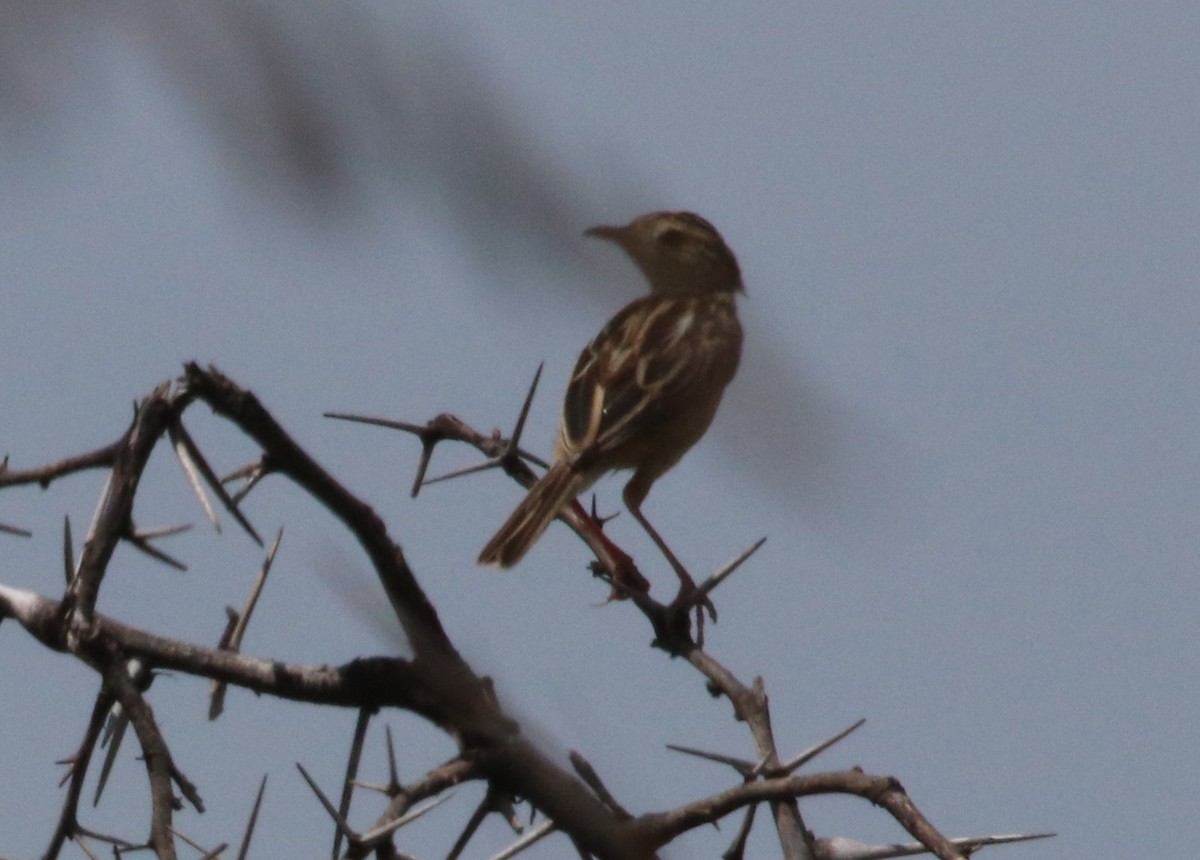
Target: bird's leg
x: 634, y: 496
x: 685, y: 579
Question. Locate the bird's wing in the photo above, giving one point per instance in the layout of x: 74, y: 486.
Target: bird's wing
x: 640, y: 368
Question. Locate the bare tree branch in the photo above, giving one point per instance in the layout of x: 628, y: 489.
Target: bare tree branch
x: 436, y: 683
x: 101, y: 458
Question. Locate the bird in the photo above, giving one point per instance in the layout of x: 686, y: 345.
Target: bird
x: 647, y: 386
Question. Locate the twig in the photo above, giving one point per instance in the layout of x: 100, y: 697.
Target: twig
x: 68, y: 552
x: 588, y: 774
x: 78, y: 763
x: 536, y: 835
x: 339, y: 820
x: 231, y: 640
x: 352, y: 763
x: 101, y: 458
x: 815, y: 750
x: 376, y: 835
x: 193, y: 460
x: 244, y: 848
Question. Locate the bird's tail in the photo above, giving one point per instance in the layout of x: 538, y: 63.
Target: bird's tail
x: 541, y: 505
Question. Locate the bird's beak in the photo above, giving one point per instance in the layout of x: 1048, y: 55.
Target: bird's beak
x: 603, y: 231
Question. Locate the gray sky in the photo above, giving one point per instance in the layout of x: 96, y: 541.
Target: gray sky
x: 965, y: 418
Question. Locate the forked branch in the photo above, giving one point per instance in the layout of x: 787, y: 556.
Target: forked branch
x: 437, y: 683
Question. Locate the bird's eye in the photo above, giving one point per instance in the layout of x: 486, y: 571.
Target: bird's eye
x: 672, y: 237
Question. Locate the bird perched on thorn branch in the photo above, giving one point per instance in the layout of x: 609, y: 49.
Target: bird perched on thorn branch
x: 648, y: 385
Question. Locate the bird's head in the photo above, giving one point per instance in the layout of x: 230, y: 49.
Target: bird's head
x: 680, y: 253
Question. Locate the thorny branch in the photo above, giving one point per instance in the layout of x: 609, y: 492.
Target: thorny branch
x: 436, y: 683
x: 673, y: 634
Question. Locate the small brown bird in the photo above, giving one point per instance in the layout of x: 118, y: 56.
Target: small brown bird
x: 647, y: 386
